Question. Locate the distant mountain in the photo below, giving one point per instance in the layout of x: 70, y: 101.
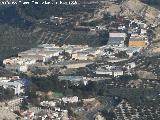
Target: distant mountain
x: 151, y: 1
x: 154, y: 3
x: 10, y: 16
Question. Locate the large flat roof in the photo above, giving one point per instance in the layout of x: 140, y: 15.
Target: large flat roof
x: 137, y: 39
x: 71, y: 78
x: 115, y: 40
x: 116, y: 34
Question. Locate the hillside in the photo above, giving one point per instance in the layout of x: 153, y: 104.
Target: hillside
x: 137, y: 9
x: 18, y: 23
x: 132, y: 9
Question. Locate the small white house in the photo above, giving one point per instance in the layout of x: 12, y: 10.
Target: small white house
x: 103, y: 72
x: 70, y: 99
x: 22, y: 68
x: 132, y: 65
x: 117, y: 73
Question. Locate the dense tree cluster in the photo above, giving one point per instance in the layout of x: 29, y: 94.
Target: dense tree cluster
x: 6, y: 94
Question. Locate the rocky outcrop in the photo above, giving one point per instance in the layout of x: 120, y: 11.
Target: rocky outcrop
x: 135, y: 8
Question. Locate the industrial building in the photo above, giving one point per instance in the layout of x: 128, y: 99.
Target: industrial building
x: 114, y: 71
x: 116, y: 39
x: 137, y: 42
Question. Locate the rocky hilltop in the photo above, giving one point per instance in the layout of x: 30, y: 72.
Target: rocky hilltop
x: 133, y: 9
x: 138, y: 9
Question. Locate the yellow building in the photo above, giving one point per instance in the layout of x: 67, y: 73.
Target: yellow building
x: 137, y: 42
